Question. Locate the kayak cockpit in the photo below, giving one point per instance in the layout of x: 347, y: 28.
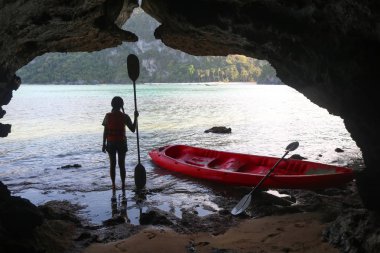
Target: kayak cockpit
x: 247, y: 170
x: 247, y: 164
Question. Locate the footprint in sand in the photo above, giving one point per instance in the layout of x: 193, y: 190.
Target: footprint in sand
x: 150, y: 235
x: 202, y: 244
x: 299, y: 224
x: 270, y: 236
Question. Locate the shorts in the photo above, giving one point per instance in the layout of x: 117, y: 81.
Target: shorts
x: 114, y: 147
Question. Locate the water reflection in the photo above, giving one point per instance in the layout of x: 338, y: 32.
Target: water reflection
x: 119, y: 206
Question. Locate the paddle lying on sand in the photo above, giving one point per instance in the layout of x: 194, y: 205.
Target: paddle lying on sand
x: 246, y: 200
x: 133, y: 73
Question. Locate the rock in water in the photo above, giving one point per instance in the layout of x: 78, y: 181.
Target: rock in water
x: 69, y: 166
x: 297, y: 157
x: 219, y: 130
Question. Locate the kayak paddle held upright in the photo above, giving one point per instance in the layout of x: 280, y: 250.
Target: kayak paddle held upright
x: 133, y: 73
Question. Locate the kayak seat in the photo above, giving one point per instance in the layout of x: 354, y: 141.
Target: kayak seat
x: 217, y: 163
x: 231, y: 164
x: 173, y: 153
x: 197, y: 160
x: 253, y: 168
x: 294, y: 168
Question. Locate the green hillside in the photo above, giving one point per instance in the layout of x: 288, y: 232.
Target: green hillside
x: 158, y: 63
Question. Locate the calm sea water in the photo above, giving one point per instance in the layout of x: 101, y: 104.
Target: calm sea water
x: 54, y: 125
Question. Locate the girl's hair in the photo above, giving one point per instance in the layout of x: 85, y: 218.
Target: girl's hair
x: 117, y: 103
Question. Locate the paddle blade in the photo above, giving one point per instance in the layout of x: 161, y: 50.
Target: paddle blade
x: 133, y: 67
x: 140, y: 176
x: 292, y: 146
x: 242, y: 205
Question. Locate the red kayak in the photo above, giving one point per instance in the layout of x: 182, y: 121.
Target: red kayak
x: 248, y: 170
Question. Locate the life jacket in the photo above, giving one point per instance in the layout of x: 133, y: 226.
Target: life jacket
x: 116, y: 126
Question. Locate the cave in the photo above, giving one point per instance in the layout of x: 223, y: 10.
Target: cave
x: 328, y: 51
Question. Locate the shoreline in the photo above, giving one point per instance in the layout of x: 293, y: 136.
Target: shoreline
x: 299, y: 232
x: 96, y: 206
x: 315, y: 222
x: 270, y: 225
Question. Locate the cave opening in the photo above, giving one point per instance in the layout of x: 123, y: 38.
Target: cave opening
x: 60, y: 125
x: 328, y: 52
x: 159, y: 63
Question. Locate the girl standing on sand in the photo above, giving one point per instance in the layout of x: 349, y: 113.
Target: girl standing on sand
x: 115, y: 140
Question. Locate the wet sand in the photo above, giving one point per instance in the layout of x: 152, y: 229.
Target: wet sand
x: 299, y: 232
x: 298, y: 221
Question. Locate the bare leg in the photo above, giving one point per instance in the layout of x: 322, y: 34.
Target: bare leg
x: 121, y: 160
x: 112, y: 169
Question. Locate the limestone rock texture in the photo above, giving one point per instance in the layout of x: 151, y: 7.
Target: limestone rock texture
x: 32, y: 28
x: 327, y: 50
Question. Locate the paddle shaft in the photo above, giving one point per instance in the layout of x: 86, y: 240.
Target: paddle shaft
x: 246, y: 200
x: 268, y: 174
x: 136, y: 122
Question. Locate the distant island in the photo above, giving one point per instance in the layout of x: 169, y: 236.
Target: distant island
x: 159, y: 64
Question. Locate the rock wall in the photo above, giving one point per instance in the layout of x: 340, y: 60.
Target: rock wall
x: 325, y: 49
x: 32, y: 28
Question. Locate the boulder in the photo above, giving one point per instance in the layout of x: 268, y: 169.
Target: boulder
x: 4, y: 192
x: 19, y: 216
x: 70, y: 166
x: 297, y: 157
x: 219, y: 130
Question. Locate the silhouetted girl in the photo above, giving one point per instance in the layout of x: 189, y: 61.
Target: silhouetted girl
x: 115, y: 140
